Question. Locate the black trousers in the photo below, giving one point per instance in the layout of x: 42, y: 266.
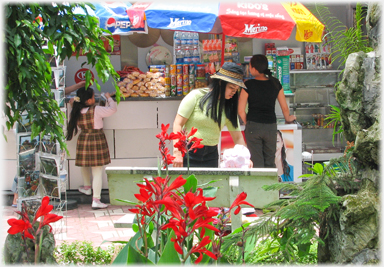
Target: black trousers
x: 208, y: 156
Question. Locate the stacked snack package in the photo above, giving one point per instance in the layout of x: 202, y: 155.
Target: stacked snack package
x: 231, y: 52
x: 200, y: 80
x: 296, y: 61
x: 271, y: 54
x: 318, y: 55
x: 167, y: 80
x: 173, y: 72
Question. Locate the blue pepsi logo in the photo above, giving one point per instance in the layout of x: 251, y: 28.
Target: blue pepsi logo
x: 113, y: 24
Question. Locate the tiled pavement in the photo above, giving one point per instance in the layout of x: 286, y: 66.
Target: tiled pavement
x: 81, y: 224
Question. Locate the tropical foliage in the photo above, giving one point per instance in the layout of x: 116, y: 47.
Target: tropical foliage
x: 343, y: 40
x: 34, y: 34
x: 291, y: 226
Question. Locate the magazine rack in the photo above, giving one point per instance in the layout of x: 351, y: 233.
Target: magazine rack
x: 41, y: 162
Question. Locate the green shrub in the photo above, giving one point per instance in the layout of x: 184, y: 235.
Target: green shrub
x: 270, y: 252
x: 85, y: 253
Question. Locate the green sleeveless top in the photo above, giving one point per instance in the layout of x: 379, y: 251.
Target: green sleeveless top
x: 207, y: 128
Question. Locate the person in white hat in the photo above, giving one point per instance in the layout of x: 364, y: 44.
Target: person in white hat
x: 209, y: 110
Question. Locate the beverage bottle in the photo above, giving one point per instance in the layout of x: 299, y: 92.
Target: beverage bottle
x: 195, y: 39
x: 189, y: 39
x: 176, y: 39
x: 183, y: 40
x: 179, y: 55
x: 187, y: 56
x: 195, y: 55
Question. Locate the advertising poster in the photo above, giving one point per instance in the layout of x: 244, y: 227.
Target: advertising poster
x: 284, y: 159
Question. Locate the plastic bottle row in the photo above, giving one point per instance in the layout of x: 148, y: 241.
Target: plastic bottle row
x: 185, y: 39
x: 186, y: 47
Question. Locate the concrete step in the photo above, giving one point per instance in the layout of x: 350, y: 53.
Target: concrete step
x: 73, y: 197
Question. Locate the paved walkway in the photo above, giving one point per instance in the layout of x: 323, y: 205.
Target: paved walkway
x: 82, y: 223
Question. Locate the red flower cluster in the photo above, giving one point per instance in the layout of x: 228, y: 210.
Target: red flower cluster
x: 25, y: 227
x: 164, y: 136
x: 184, y: 141
x: 186, y: 212
x: 182, y: 145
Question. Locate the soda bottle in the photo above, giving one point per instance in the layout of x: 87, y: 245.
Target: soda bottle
x: 179, y: 55
x: 176, y: 39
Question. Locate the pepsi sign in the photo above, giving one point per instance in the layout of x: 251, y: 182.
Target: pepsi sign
x: 113, y: 24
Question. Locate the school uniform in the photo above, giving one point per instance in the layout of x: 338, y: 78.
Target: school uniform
x: 92, y: 147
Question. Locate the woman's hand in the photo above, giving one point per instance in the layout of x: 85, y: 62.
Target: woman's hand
x: 290, y: 119
x: 178, y: 161
x: 250, y: 164
x: 107, y: 95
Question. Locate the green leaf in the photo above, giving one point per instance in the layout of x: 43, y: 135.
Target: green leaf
x: 169, y: 255
x: 191, y: 184
x: 318, y: 168
x: 121, y: 258
x: 135, y: 227
x: 17, y: 40
x: 210, y: 191
x: 134, y: 257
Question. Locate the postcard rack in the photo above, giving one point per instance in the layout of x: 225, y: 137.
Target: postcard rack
x: 41, y: 162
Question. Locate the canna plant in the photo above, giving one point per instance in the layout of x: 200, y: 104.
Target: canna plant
x: 174, y: 223
x: 32, y: 230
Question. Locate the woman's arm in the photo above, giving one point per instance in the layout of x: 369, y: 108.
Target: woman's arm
x: 178, y: 125
x: 284, y: 107
x: 70, y: 89
x: 243, y: 99
x: 107, y: 110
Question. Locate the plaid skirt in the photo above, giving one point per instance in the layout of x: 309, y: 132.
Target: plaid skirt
x: 92, y: 149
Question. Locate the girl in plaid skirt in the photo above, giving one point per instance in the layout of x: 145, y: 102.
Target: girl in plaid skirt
x: 92, y: 151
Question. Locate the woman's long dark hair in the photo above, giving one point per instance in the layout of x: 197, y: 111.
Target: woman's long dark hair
x: 286, y: 168
x: 216, y: 103
x: 84, y: 95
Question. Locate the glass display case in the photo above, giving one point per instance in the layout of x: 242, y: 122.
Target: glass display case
x: 313, y: 93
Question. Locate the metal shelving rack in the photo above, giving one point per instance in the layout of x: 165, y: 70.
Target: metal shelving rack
x: 41, y: 162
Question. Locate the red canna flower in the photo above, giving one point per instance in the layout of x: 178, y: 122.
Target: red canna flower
x: 20, y: 226
x: 50, y: 218
x: 143, y: 196
x: 200, y: 249
x: 163, y: 136
x: 239, y: 201
x: 196, y: 144
x: 184, y: 142
x: 44, y: 209
x: 179, y: 181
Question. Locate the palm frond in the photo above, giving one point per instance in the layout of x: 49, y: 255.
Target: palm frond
x: 343, y: 40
